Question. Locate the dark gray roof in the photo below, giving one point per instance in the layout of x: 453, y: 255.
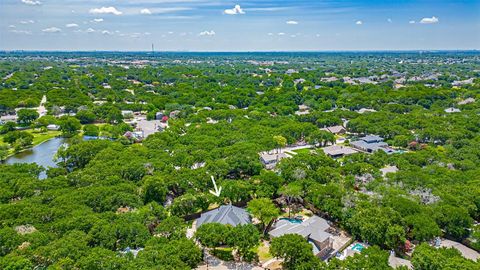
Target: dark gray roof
x: 371, y: 138
x: 225, y: 214
x: 374, y: 146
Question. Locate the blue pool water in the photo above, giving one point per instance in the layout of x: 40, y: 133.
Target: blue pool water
x: 293, y: 220
x: 358, y: 247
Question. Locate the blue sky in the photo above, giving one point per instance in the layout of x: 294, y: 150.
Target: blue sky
x: 264, y: 25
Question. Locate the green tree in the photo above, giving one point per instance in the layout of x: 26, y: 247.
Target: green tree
x: 19, y: 139
x: 291, y: 192
x: 154, y: 189
x: 3, y: 152
x: 426, y: 257
x: 100, y: 258
x: 294, y: 250
x: 371, y: 224
x: 264, y: 210
x: 9, y: 126
x: 422, y: 227
x: 86, y: 116
x: 213, y: 235
x: 243, y: 238
x: 172, y: 227
x: 26, y: 116
x: 395, y: 237
x: 69, y: 126
x: 370, y: 258
x: 9, y: 240
x: 280, y: 142
x: 91, y: 130
x: 454, y: 220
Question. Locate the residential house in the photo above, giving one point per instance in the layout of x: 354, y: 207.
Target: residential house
x: 297, y: 81
x: 302, y: 110
x: 338, y: 151
x: 315, y: 230
x: 291, y: 71
x: 365, y: 110
x: 174, y: 114
x: 388, y: 169
x: 329, y: 79
x: 127, y: 114
x: 53, y: 127
x: 9, y: 118
x: 159, y: 115
x: 452, y: 110
x: 270, y: 159
x: 335, y: 129
x: 461, y: 83
x: 225, y: 214
x: 371, y: 143
x: 466, y: 101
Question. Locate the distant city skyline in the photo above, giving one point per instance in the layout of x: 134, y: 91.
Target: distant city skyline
x: 265, y: 25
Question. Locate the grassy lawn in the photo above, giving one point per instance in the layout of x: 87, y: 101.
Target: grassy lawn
x: 263, y: 252
x: 302, y: 151
x: 40, y: 137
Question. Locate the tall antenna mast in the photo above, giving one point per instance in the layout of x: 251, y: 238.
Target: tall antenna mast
x: 153, y: 49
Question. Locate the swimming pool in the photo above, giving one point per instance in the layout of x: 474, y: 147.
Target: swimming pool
x: 358, y: 247
x: 292, y: 220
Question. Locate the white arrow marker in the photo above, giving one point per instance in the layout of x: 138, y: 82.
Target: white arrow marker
x: 217, y: 190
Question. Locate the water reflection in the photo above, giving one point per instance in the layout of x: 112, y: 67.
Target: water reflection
x: 42, y: 154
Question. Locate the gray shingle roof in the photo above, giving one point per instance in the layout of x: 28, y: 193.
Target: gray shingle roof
x: 313, y: 228
x: 372, y: 139
x: 225, y: 214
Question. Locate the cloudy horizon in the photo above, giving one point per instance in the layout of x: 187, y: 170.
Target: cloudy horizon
x: 266, y: 25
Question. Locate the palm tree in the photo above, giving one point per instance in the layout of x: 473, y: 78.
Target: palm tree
x: 291, y: 192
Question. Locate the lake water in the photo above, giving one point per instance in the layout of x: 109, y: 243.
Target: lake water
x: 42, y: 154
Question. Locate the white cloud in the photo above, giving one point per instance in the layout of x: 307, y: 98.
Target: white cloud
x: 389, y: 20
x: 20, y: 32
x: 411, y: 22
x: 97, y: 20
x: 234, y: 11
x: 106, y: 10
x: 90, y: 30
x: 52, y: 30
x: 292, y: 22
x: 106, y: 32
x: 71, y: 25
x: 207, y: 33
x: 11, y: 26
x: 359, y: 23
x: 145, y: 11
x: 429, y: 20
x: 32, y: 2
x: 270, y: 34
x: 27, y: 21
x: 281, y: 34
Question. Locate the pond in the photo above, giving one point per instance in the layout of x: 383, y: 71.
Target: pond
x: 42, y: 154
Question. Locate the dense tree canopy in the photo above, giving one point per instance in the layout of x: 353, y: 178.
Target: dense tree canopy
x: 111, y: 194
